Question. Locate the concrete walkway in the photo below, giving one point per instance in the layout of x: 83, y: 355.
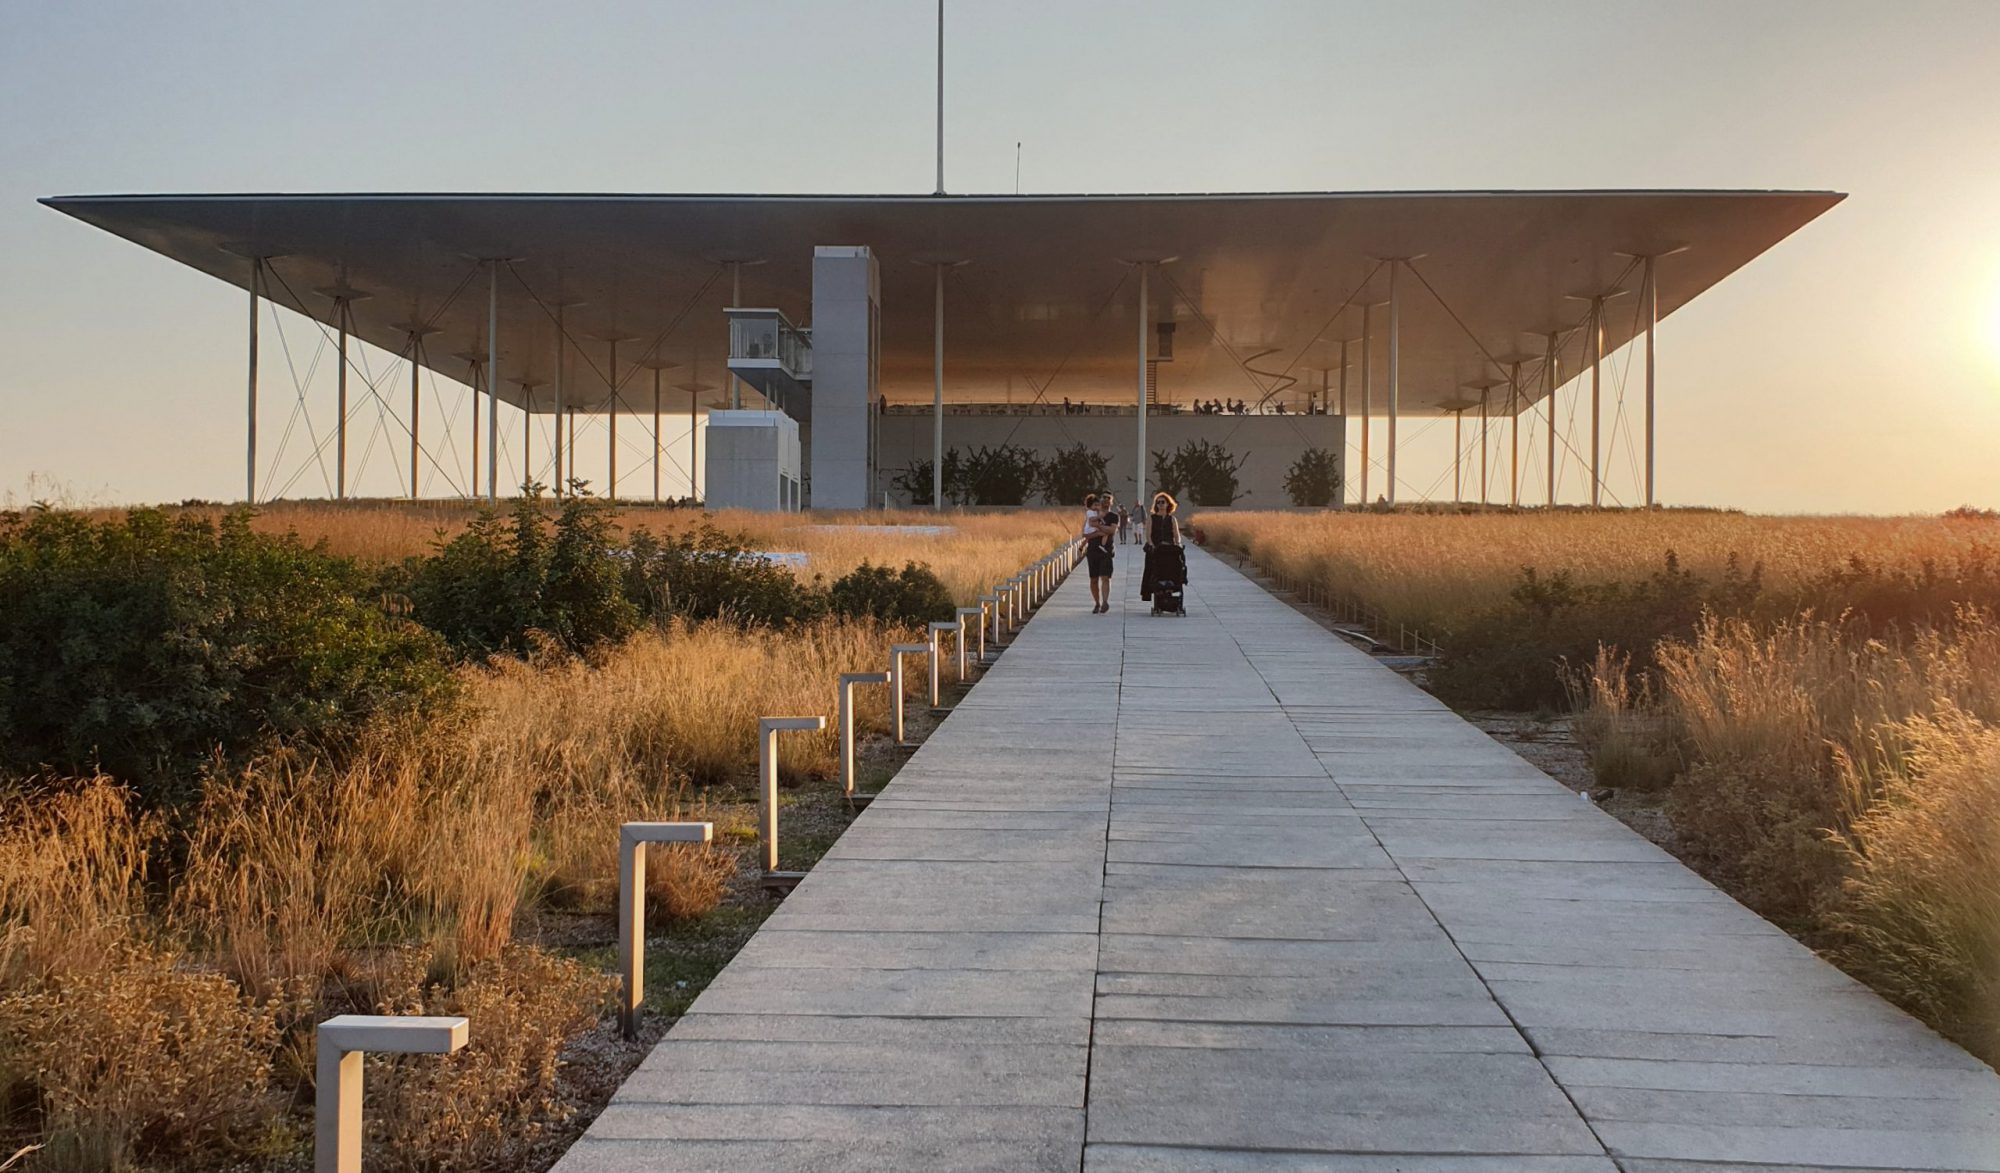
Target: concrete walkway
x: 1223, y: 894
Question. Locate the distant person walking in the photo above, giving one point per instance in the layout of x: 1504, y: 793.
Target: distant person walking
x: 1097, y: 551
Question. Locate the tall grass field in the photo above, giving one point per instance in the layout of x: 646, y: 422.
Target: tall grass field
x: 1819, y: 697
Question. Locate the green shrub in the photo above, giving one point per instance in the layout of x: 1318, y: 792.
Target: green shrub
x: 1071, y: 473
x: 1199, y: 471
x: 913, y: 595
x: 1314, y: 478
x: 145, y: 646
x: 707, y: 574
x: 487, y: 588
x: 1002, y: 475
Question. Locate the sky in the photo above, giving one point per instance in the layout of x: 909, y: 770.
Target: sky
x: 1854, y: 368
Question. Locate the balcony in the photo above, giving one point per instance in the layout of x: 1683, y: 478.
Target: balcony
x: 774, y: 356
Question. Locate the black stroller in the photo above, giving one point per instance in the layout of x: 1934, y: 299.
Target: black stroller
x: 1165, y: 579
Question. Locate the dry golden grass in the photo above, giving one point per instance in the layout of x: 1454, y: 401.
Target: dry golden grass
x: 1433, y: 571
x: 1848, y: 787
x: 979, y: 550
x: 299, y: 869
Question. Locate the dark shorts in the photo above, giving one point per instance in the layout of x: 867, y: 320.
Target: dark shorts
x: 1099, y: 558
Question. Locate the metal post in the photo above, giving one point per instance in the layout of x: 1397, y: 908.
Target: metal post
x: 416, y: 368
x: 1652, y: 320
x: 1343, y: 420
x: 570, y: 415
x: 1485, y: 393
x: 656, y: 435
x: 1367, y: 391
x: 976, y: 616
x: 1457, y: 452
x: 846, y: 715
x: 340, y: 424
x: 768, y: 729
x: 250, y: 461
x: 339, y: 1046
x: 562, y: 361
x: 1395, y: 375
x: 936, y: 654
x: 1145, y: 332
x: 1596, y: 342
x: 611, y: 442
x: 632, y: 841
x: 527, y: 434
x: 492, y: 382
x: 937, y: 324
x: 897, y: 726
x: 1549, y: 381
x: 735, y: 301
x: 1514, y: 434
x: 478, y: 378
x: 694, y: 415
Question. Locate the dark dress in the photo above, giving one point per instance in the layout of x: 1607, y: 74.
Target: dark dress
x: 1165, y: 559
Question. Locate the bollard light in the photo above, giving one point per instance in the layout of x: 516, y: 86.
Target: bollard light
x: 846, y: 715
x: 896, y: 654
x: 992, y: 605
x: 934, y: 649
x: 768, y: 729
x: 632, y: 841
x: 339, y: 1044
x: 969, y: 621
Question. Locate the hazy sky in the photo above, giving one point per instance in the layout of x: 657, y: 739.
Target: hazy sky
x: 1855, y: 367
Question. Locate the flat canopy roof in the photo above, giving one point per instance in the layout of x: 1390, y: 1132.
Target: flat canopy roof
x: 1046, y: 302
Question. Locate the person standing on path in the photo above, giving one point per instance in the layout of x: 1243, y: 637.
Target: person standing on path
x: 1166, y: 558
x: 1097, y: 552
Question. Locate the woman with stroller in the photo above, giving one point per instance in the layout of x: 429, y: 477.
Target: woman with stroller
x: 1165, y: 571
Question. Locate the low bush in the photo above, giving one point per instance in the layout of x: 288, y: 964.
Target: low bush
x: 145, y: 646
x: 1072, y: 472
x: 139, y: 1061
x: 1314, y: 478
x: 703, y: 573
x: 1199, y: 471
x: 910, y: 596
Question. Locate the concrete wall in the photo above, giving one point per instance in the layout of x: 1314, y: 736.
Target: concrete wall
x: 1269, y: 443
x: 753, y: 461
x: 846, y: 324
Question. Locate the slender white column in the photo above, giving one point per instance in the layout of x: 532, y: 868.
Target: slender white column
x: 656, y: 435
x: 340, y: 425
x: 562, y: 360
x: 250, y: 461
x: 694, y: 417
x: 1514, y: 433
x: 940, y: 112
x: 1145, y: 329
x: 735, y: 300
x: 937, y: 335
x: 416, y: 368
x: 1484, y: 480
x: 492, y: 383
x: 478, y: 377
x: 1367, y: 393
x: 1395, y: 374
x: 1596, y: 341
x: 611, y: 443
x: 1343, y: 419
x: 632, y: 841
x: 1652, y: 320
x: 1459, y: 449
x: 1549, y: 381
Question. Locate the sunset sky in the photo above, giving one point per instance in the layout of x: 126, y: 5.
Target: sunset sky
x: 1854, y: 368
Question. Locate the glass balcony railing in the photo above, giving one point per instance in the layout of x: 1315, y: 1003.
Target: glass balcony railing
x: 757, y: 336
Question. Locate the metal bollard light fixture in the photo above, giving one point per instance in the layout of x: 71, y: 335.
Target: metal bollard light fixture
x: 896, y: 723
x: 970, y: 619
x: 632, y: 841
x: 934, y: 652
x: 846, y: 717
x: 339, y: 1044
x: 992, y: 603
x: 768, y: 729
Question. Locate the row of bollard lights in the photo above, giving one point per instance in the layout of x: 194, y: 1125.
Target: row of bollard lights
x: 978, y: 633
